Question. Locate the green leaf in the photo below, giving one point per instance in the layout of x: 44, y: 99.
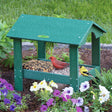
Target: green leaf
x: 2, y: 55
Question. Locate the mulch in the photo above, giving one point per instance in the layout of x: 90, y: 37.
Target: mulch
x: 33, y: 103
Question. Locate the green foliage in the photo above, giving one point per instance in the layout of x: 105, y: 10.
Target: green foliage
x: 9, y: 61
x: 65, y: 57
x: 105, y: 78
x: 80, y: 60
x: 49, y: 49
x: 27, y: 58
x: 5, y: 45
x: 96, y: 10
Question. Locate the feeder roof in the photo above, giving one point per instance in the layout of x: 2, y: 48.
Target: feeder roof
x: 51, y: 29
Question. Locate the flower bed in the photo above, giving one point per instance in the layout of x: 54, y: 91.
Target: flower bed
x: 89, y: 99
x: 10, y: 100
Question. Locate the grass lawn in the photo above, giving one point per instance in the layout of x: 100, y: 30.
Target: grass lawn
x: 99, y: 11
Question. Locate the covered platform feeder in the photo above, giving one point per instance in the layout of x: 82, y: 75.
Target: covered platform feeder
x: 56, y: 30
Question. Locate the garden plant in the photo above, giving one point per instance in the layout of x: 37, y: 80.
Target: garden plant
x: 87, y: 99
x: 10, y: 100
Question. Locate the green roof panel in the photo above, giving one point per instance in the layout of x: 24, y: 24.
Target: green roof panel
x: 51, y: 29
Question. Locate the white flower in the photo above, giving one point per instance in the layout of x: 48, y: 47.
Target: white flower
x: 86, y: 109
x: 79, y: 102
x: 35, y: 83
x: 103, y: 90
x: 43, y: 84
x: 48, y: 88
x: 84, y: 86
x: 34, y: 88
x: 105, y: 96
x: 53, y: 84
x: 68, y: 90
x: 93, y: 97
x: 101, y: 99
x: 104, y: 93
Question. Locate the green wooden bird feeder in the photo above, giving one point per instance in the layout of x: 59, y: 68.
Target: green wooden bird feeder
x: 57, y: 30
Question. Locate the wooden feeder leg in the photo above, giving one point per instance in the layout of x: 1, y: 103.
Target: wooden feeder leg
x: 41, y: 50
x: 18, y: 74
x: 95, y: 51
x: 74, y: 77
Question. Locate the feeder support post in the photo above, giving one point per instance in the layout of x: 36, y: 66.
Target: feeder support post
x: 95, y: 50
x: 74, y: 75
x: 41, y: 50
x: 18, y: 73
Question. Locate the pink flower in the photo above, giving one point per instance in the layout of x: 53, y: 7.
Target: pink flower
x: 56, y: 92
x: 79, y: 109
x: 3, y: 81
x: 9, y: 87
x: 65, y: 97
x: 74, y: 101
x: 43, y: 108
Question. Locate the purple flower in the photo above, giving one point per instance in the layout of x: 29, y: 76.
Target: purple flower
x: 50, y: 102
x: 79, y: 102
x: 17, y: 97
x: 5, y: 92
x: 18, y: 102
x: 1, y: 85
x: 68, y: 96
x: 65, y: 97
x: 12, y: 107
x: 6, y: 101
x: 9, y: 87
x: 79, y: 109
x: 73, y: 101
x: 56, y: 92
x: 3, y: 81
x: 43, y: 108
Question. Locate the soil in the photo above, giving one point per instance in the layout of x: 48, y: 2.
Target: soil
x: 33, y: 103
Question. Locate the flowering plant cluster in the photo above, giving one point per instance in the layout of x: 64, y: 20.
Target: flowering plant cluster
x: 63, y: 101
x: 69, y: 101
x: 43, y: 90
x: 99, y: 100
x: 9, y: 99
x: 57, y: 100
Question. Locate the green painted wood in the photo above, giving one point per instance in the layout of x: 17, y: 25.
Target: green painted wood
x: 95, y: 50
x: 51, y: 29
x: 37, y: 75
x: 97, y: 31
x: 92, y: 72
x: 18, y: 75
x: 74, y: 74
x: 41, y: 50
